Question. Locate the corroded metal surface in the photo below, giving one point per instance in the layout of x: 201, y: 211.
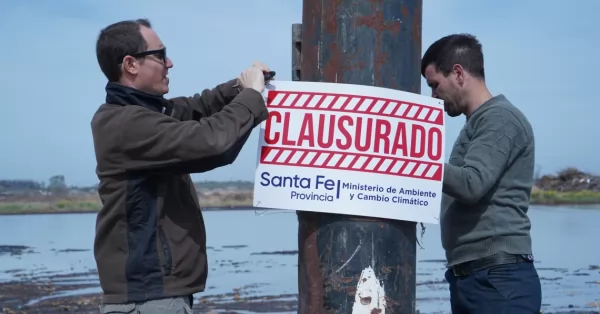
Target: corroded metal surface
x: 334, y: 250
x: 367, y: 42
x: 296, y: 51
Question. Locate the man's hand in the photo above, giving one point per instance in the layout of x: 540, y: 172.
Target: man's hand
x: 269, y: 75
x: 252, y: 77
x: 263, y: 67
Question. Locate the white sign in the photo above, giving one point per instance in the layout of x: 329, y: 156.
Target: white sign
x: 351, y: 149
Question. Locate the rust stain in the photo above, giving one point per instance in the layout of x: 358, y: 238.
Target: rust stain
x: 336, y: 282
x: 377, y: 23
x: 407, y: 272
x: 310, y: 282
x: 417, y: 22
x: 391, y: 303
x: 310, y: 42
x: 321, y: 26
x: 351, y: 291
x: 404, y: 11
x: 329, y: 9
x: 334, y: 64
x: 416, y: 27
x: 376, y: 311
x: 386, y: 269
x: 365, y: 300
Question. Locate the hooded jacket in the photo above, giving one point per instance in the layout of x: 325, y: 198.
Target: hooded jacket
x: 150, y: 238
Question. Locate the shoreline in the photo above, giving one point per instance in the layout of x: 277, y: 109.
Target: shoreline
x: 50, y: 211
x: 242, y: 200
x: 569, y: 188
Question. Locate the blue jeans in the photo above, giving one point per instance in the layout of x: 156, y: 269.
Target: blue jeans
x: 504, y: 289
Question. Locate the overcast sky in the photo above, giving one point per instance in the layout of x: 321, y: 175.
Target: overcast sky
x: 541, y: 54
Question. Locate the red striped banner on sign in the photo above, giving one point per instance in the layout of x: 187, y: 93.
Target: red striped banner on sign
x: 299, y: 157
x: 355, y: 104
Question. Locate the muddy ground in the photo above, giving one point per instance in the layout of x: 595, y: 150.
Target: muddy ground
x: 27, y: 296
x: 42, y: 294
x: 40, y: 291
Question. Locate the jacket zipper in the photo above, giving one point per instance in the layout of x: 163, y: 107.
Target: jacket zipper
x: 164, y: 253
x: 198, y: 214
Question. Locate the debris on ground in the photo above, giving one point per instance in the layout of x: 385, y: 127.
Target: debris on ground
x: 569, y: 180
x: 13, y: 250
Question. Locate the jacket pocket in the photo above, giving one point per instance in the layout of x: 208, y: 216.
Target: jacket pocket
x: 164, y: 252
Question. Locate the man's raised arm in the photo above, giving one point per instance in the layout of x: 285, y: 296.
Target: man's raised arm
x: 205, y: 103
x: 159, y: 143
x: 209, y: 101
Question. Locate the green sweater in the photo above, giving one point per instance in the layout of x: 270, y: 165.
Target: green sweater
x: 487, y: 185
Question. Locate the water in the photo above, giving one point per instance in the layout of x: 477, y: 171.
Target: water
x: 565, y: 244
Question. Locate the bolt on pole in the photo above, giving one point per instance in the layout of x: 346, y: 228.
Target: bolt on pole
x: 366, y: 42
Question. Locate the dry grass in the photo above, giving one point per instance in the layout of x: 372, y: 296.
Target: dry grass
x: 541, y: 197
x: 228, y: 199
x: 91, y: 203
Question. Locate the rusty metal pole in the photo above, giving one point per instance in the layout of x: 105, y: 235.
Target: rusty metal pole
x: 296, y: 51
x: 367, y: 42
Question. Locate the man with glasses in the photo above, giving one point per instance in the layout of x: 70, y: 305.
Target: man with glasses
x: 150, y: 244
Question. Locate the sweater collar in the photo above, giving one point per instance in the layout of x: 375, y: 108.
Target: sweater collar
x: 486, y: 104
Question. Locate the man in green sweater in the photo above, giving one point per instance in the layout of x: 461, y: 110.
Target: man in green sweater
x: 487, y: 184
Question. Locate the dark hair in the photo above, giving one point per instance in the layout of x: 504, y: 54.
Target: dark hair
x: 463, y: 49
x: 117, y: 41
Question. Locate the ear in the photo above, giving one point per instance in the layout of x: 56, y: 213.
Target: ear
x: 459, y: 72
x: 131, y: 65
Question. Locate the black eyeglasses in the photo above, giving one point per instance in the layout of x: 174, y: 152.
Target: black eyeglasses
x: 159, y: 53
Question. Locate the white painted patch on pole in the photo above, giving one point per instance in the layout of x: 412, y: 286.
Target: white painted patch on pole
x: 369, y: 294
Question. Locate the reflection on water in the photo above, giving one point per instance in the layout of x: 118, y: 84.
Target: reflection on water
x: 565, y: 245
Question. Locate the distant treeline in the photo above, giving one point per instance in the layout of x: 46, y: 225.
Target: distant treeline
x: 570, y: 179
x: 240, y: 185
x: 58, y: 182
x: 13, y: 185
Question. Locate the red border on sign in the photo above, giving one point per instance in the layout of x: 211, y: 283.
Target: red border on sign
x: 299, y: 157
x: 355, y: 104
